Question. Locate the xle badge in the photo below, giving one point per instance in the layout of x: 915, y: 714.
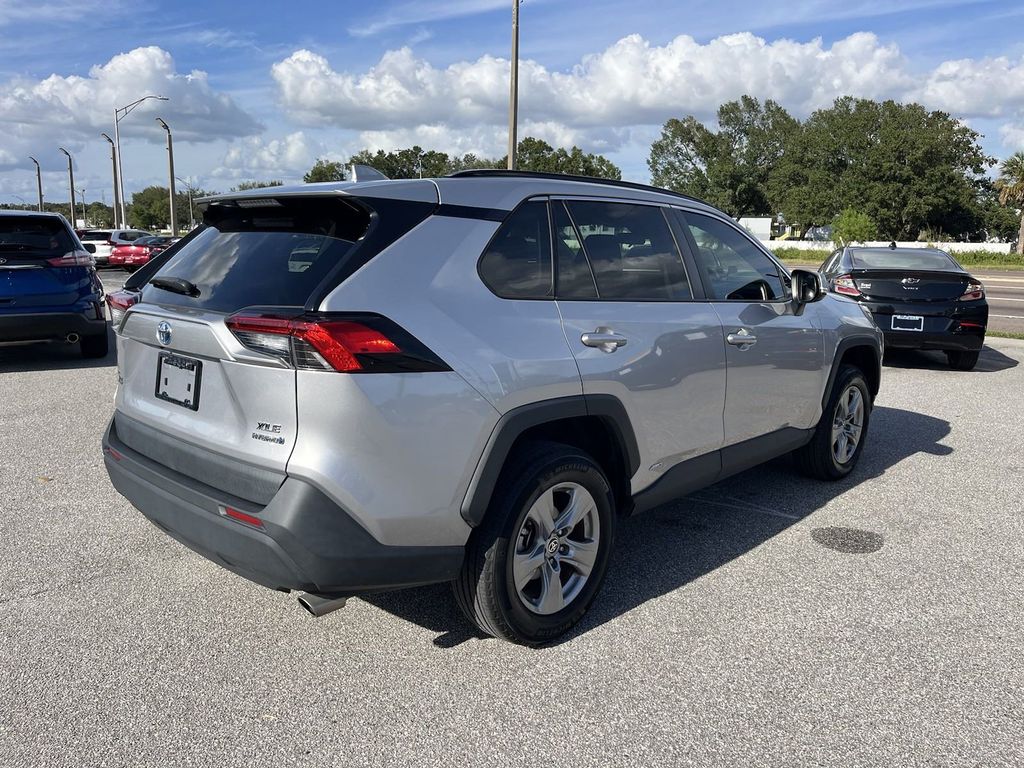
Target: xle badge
x: 268, y: 433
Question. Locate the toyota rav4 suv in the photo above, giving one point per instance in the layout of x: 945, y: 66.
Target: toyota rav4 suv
x: 353, y: 387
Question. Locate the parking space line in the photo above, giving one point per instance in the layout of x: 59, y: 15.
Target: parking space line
x: 744, y: 507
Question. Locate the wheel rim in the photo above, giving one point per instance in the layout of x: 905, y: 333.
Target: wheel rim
x: 556, y: 548
x: 847, y: 424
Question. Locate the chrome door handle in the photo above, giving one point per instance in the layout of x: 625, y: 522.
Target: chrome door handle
x: 604, y: 339
x: 741, y: 338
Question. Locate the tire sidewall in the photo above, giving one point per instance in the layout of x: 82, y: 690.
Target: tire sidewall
x: 847, y: 377
x: 574, y: 469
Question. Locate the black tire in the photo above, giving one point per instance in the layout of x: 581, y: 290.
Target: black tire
x: 485, y: 587
x: 94, y: 346
x: 962, y: 361
x: 817, y: 459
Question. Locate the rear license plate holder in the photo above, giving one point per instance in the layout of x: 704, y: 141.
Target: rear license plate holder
x: 907, y: 323
x: 178, y: 379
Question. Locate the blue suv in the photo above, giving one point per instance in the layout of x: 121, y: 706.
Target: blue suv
x: 49, y: 290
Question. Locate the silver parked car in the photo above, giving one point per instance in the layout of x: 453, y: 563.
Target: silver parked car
x: 351, y: 387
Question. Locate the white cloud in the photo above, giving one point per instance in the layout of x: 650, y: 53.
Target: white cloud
x: 631, y: 83
x: 279, y: 158
x: 75, y: 108
x: 1013, y: 135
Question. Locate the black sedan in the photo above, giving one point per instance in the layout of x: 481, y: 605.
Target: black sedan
x: 920, y: 298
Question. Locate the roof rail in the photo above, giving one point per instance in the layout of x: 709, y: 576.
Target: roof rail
x: 570, y: 177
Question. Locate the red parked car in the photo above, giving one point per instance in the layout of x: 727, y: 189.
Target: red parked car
x: 133, y: 255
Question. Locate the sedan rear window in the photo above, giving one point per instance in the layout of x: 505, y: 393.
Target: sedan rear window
x: 907, y: 258
x: 272, y: 255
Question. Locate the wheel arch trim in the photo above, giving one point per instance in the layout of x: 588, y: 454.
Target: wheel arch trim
x: 513, y: 424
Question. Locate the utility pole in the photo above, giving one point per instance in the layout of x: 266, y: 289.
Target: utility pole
x: 71, y: 183
x: 513, y: 97
x: 113, y: 166
x: 39, y: 182
x: 170, y: 169
x: 84, y: 225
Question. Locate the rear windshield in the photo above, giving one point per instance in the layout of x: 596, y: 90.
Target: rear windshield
x: 908, y: 259
x: 34, y: 237
x: 95, y: 235
x: 275, y: 255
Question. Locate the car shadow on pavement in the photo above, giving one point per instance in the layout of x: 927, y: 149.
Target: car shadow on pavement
x: 991, y: 360
x: 56, y: 355
x: 669, y: 547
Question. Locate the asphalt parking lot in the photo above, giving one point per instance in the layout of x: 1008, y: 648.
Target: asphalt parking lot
x: 736, y: 627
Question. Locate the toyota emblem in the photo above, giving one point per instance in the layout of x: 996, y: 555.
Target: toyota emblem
x: 163, y: 332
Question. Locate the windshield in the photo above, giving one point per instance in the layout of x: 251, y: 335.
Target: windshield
x: 34, y: 237
x: 269, y: 256
x: 903, y: 259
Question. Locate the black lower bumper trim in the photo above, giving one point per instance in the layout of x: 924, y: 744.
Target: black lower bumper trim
x: 48, y: 326
x: 956, y: 341
x: 307, y: 542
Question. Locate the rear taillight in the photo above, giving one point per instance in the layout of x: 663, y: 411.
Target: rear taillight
x: 347, y: 343
x: 73, y: 259
x: 975, y: 291
x: 845, y: 285
x: 119, y: 302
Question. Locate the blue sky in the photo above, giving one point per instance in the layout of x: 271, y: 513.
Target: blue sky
x: 261, y: 93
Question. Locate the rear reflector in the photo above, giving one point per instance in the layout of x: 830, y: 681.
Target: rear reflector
x: 346, y: 343
x: 242, y: 517
x: 968, y: 324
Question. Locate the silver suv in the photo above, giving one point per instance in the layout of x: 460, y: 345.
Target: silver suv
x: 352, y: 387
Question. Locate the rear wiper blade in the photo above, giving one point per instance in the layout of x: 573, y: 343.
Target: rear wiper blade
x: 176, y: 285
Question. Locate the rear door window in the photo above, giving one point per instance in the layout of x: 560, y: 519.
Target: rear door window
x: 630, y: 250
x: 517, y: 262
x: 734, y: 269
x: 273, y: 255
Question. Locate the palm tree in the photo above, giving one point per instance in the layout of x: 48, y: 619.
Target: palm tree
x: 1011, y: 189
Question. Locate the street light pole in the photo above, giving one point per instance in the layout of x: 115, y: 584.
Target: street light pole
x: 118, y: 117
x: 513, y: 97
x: 113, y: 167
x: 170, y: 172
x: 71, y: 183
x: 39, y: 182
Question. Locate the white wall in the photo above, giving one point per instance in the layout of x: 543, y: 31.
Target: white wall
x: 810, y: 245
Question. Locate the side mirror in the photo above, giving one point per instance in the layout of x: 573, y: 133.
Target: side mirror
x: 806, y: 287
x: 90, y: 247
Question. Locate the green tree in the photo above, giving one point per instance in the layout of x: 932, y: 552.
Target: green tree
x: 728, y: 167
x: 325, y: 170
x: 537, y: 155
x: 243, y: 186
x: 852, y: 226
x: 1010, y: 185
x: 908, y: 169
x: 150, y: 208
x: 99, y: 215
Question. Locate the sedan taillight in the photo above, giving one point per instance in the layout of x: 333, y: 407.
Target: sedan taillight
x: 845, y: 285
x: 975, y: 291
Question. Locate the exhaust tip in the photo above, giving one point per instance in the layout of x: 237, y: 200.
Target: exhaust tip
x: 72, y: 338
x: 319, y: 606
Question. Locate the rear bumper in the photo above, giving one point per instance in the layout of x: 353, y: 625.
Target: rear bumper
x: 306, y: 542
x: 955, y: 326
x: 49, y: 326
